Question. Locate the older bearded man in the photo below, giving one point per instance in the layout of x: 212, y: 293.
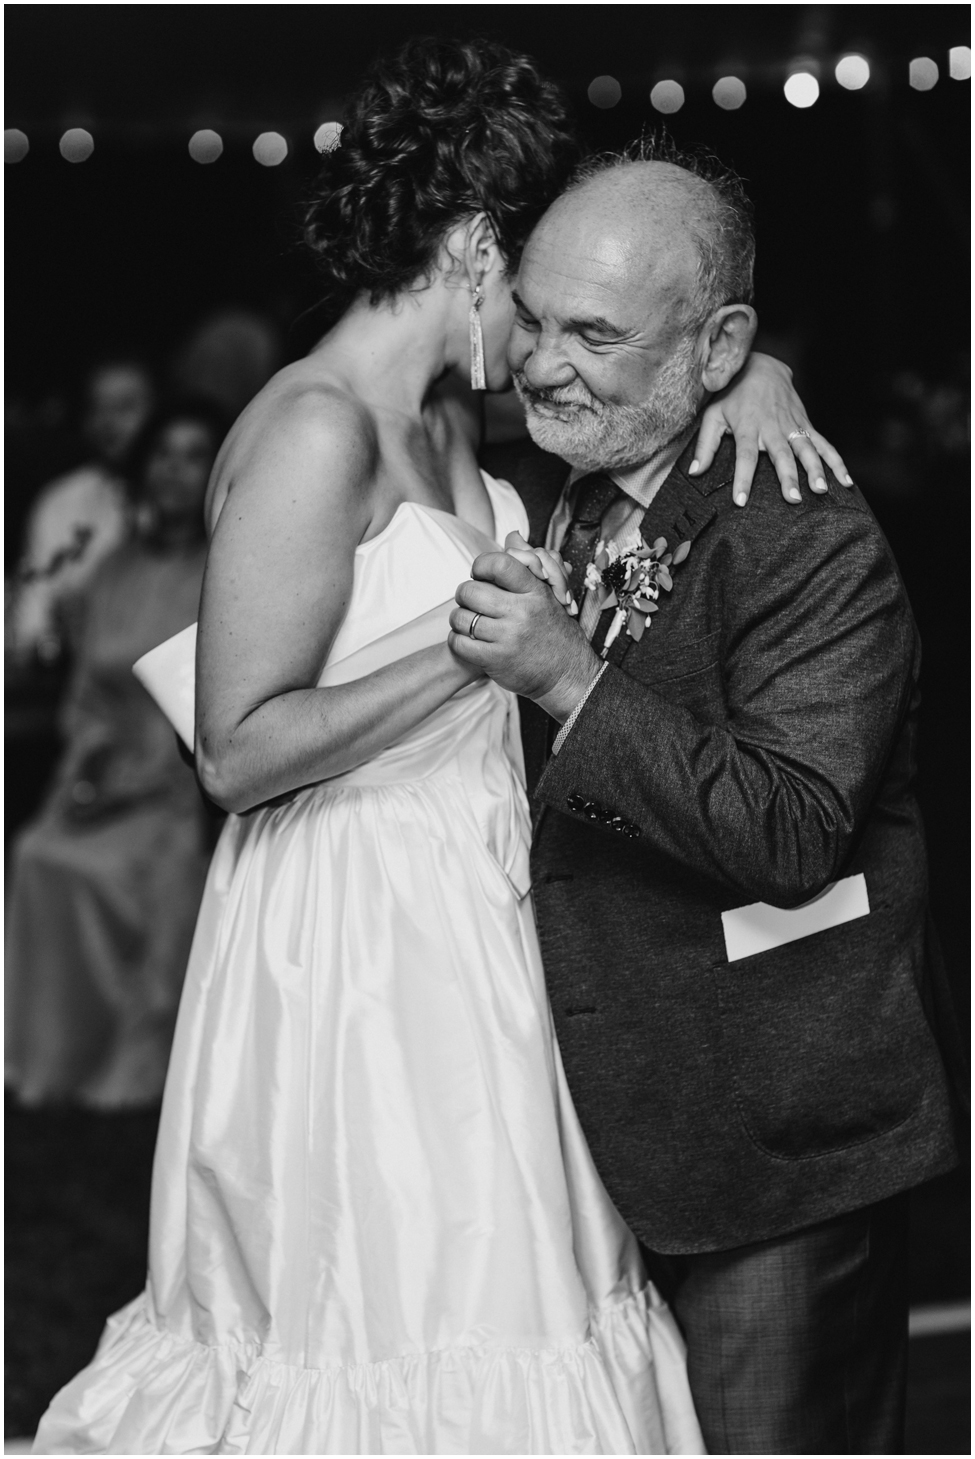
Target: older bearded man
x: 728, y: 862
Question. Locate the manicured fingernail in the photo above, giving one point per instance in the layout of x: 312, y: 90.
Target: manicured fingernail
x: 740, y: 499
x: 793, y: 494
x: 848, y: 480
x: 573, y: 608
x: 694, y: 468
x: 819, y: 484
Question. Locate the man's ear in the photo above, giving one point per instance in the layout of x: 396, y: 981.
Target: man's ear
x: 727, y: 340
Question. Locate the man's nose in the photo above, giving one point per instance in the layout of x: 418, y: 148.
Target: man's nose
x: 540, y: 357
x: 547, y: 367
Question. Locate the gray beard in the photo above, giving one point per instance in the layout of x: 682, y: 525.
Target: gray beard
x: 600, y: 437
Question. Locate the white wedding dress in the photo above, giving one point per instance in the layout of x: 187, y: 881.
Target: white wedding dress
x: 376, y: 1226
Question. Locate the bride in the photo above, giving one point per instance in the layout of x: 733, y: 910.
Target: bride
x: 376, y: 1227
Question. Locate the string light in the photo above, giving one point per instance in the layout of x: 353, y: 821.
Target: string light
x: 667, y: 96
x: 270, y: 148
x: 960, y: 63
x: 15, y: 145
x: 729, y: 93
x: 76, y: 145
x: 852, y: 72
x: 205, y: 146
x: 604, y: 92
x: 802, y: 89
x: 923, y: 73
x: 328, y: 136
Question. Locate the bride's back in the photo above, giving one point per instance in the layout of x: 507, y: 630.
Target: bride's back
x: 439, y: 136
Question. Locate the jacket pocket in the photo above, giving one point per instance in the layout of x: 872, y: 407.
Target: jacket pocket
x: 686, y: 673
x: 677, y: 658
x: 824, y: 1039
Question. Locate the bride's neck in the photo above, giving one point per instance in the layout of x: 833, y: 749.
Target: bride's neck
x: 392, y: 353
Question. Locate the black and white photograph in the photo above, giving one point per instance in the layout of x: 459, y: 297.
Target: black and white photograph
x: 487, y: 607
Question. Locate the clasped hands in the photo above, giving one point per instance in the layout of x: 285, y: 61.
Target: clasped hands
x: 527, y: 636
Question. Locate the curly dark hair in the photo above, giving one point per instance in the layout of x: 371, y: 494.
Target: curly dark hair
x: 441, y: 130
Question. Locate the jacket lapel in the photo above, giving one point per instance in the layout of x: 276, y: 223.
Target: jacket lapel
x: 679, y: 512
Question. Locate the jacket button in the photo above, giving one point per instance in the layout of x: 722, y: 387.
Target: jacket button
x: 576, y: 803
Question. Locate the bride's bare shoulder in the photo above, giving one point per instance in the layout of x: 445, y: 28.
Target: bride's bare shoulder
x: 304, y: 432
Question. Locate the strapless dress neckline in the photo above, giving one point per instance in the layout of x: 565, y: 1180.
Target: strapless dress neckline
x: 409, y: 504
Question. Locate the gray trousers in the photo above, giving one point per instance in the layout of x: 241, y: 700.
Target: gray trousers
x: 798, y: 1345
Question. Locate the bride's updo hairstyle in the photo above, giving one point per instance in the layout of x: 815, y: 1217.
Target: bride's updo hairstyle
x: 440, y: 131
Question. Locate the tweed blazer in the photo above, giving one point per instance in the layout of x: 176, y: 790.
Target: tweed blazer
x: 757, y: 744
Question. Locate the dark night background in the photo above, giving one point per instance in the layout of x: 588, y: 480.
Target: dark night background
x: 863, y: 246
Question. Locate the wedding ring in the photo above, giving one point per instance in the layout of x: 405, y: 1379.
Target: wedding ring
x: 470, y: 631
x: 792, y: 435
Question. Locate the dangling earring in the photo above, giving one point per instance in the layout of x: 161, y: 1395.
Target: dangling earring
x: 478, y: 377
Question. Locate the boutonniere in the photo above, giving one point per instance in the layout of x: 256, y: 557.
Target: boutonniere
x: 631, y: 582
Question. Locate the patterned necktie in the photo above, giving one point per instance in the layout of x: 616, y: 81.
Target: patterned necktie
x: 594, y: 495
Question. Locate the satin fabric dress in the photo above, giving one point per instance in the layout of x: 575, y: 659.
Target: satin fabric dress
x: 376, y: 1226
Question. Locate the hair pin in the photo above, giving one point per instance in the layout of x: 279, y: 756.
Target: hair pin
x: 328, y: 136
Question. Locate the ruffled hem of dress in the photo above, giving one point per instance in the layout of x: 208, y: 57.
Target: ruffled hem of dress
x: 623, y: 1391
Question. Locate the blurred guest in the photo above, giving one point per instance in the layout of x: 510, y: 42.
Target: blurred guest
x: 80, y: 517
x: 41, y: 441
x: 107, y: 879
x: 228, y: 358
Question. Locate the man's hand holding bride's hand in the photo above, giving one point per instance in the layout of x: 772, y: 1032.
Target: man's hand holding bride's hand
x: 524, y: 638
x: 761, y: 409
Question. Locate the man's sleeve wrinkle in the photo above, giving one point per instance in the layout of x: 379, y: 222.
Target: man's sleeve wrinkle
x: 787, y: 851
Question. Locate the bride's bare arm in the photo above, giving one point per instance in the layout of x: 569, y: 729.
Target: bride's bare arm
x: 277, y: 586
x: 763, y: 412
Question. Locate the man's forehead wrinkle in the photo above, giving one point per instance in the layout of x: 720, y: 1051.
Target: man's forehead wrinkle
x: 580, y: 301
x: 580, y: 269
x: 622, y: 262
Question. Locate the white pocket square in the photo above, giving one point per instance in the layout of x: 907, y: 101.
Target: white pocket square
x: 758, y: 927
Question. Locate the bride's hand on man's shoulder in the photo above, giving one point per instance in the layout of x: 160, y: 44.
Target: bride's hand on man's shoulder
x: 763, y: 412
x: 546, y: 565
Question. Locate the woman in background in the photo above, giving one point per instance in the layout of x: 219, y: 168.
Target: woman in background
x: 79, y: 518
x: 107, y: 879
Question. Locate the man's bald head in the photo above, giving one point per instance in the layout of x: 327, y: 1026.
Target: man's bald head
x: 683, y: 222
